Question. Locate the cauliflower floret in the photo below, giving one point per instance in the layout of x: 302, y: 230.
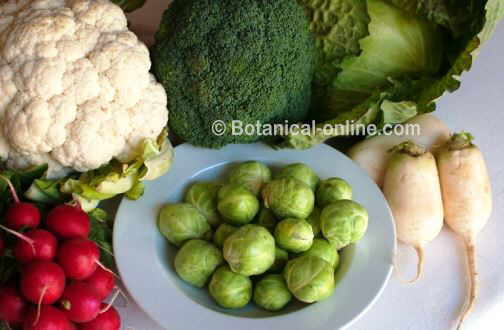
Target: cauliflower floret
x: 75, y: 87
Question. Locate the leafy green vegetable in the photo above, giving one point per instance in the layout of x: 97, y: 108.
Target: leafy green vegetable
x: 251, y: 62
x: 101, y: 234
x: 398, y: 112
x: 154, y: 158
x: 45, y: 191
x: 398, y: 45
x: 27, y: 176
x: 337, y: 35
x: 21, y: 180
x: 410, y: 54
x: 8, y: 267
x: 455, y: 15
x: 136, y: 191
x: 4, y: 326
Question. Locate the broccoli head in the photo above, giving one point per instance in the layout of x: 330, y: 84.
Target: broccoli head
x: 247, y: 60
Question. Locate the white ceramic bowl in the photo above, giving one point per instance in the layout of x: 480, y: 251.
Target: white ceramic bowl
x: 145, y: 259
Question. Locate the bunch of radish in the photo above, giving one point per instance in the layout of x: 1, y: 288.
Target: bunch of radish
x: 62, y: 284
x: 449, y: 185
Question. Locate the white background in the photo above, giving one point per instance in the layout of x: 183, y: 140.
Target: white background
x: 434, y: 302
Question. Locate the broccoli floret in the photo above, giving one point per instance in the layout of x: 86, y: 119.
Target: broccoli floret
x: 248, y: 60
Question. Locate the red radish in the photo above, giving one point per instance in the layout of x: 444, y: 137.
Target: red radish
x: 50, y: 318
x: 68, y: 221
x: 79, y: 258
x: 101, y: 283
x: 12, y: 305
x: 72, y: 326
x: 44, y: 243
x: 109, y: 320
x: 42, y: 282
x: 79, y: 303
x: 20, y: 215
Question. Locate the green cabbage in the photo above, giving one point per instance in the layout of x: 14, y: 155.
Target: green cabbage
x: 385, y: 61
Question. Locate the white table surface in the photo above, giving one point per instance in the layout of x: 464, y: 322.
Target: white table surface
x: 434, y: 302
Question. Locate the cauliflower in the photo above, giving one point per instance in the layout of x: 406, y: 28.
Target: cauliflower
x: 75, y: 87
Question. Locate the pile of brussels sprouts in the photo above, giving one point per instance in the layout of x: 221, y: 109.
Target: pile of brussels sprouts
x: 263, y: 237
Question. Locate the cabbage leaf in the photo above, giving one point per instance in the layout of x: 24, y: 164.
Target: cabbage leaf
x: 414, y: 52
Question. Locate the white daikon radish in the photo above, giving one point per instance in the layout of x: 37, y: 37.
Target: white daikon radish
x: 467, y: 198
x: 372, y: 154
x: 413, y: 191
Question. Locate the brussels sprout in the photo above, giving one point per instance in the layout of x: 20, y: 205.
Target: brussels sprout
x: 309, y: 278
x: 332, y: 190
x: 196, y: 261
x: 343, y: 222
x: 203, y: 196
x: 182, y: 222
x: 324, y: 250
x: 250, y: 250
x: 222, y: 233
x: 267, y: 219
x: 314, y: 221
x: 271, y: 293
x: 252, y: 175
x: 294, y: 235
x: 289, y: 198
x: 237, y: 204
x: 300, y: 172
x: 281, y: 258
x: 230, y: 290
